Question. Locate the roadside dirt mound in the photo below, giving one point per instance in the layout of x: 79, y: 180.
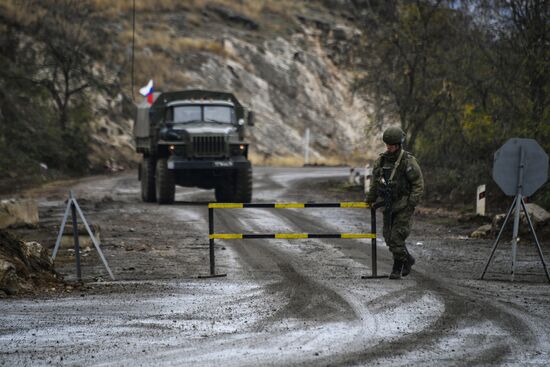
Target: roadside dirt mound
x: 25, y: 267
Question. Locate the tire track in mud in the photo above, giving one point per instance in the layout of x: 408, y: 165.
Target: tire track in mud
x: 458, y: 315
x: 461, y: 306
x: 307, y: 298
x: 324, y: 307
x: 313, y: 301
x: 321, y: 302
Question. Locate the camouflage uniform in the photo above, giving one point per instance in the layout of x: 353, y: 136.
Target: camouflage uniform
x: 407, y: 188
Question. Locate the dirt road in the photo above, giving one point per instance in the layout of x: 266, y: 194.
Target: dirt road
x: 283, y: 302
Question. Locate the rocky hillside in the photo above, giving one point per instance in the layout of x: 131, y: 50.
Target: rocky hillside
x: 66, y: 76
x: 287, y: 61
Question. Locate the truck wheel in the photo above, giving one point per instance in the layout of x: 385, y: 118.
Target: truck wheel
x: 148, y: 180
x: 165, y: 184
x: 224, y: 191
x: 243, y: 186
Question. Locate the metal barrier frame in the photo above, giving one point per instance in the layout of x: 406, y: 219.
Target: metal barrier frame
x: 228, y: 236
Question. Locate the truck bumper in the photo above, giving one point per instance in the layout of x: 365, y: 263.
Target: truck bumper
x: 176, y: 163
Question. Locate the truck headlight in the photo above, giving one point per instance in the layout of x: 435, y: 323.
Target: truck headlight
x: 178, y: 150
x: 238, y: 149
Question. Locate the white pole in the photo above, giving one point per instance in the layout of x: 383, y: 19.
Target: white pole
x: 368, y: 175
x: 480, y: 200
x: 351, y: 173
x: 306, y: 147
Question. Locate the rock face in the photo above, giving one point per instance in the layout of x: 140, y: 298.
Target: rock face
x: 294, y: 79
x: 292, y: 84
x: 15, y: 213
x: 112, y: 146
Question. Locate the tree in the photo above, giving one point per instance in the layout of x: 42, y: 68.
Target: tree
x: 404, y: 61
x: 60, y: 49
x: 48, y: 53
x: 523, y: 59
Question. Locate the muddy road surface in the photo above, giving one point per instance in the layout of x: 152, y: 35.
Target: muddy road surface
x: 283, y: 302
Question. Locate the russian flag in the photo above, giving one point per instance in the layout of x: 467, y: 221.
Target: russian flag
x: 147, y: 91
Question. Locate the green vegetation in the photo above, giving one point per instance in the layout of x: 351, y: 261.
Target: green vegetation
x: 47, y: 63
x: 461, y: 77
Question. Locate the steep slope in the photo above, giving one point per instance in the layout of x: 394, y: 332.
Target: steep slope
x: 71, y: 71
x: 288, y: 66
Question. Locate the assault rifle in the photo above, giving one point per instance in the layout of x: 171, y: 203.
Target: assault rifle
x: 385, y: 191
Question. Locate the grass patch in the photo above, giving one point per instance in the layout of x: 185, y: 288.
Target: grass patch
x: 250, y: 8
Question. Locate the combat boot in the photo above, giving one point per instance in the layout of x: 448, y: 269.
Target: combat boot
x: 407, y: 265
x: 396, y: 270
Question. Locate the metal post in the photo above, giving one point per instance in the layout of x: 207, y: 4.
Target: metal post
x: 373, y: 241
x: 211, y: 247
x: 374, y: 256
x: 515, y: 236
x: 518, y: 208
x: 76, y: 242
x: 210, y: 232
x: 498, y: 237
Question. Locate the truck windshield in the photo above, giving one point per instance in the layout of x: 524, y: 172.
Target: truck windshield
x: 187, y: 113
x: 222, y: 114
x: 219, y: 113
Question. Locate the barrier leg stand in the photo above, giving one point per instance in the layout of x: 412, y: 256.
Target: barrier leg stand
x: 498, y: 237
x: 61, y: 229
x: 212, y: 253
x: 74, y: 209
x: 94, y: 240
x: 537, y: 243
x: 374, y: 265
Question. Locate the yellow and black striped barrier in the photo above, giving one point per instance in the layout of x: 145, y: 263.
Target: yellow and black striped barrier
x: 244, y: 236
x: 241, y: 236
x: 359, y: 204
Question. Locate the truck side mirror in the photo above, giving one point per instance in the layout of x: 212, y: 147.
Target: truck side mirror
x: 250, y: 118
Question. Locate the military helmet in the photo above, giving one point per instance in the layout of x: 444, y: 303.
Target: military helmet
x: 393, y: 135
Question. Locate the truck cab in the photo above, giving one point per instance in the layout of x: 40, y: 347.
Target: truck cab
x: 194, y: 138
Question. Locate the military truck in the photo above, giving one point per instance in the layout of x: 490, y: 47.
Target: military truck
x: 194, y: 138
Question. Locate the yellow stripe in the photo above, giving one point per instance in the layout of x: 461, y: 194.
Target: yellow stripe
x: 291, y: 235
x: 358, y: 235
x: 290, y: 205
x: 354, y: 205
x: 225, y: 205
x: 226, y: 236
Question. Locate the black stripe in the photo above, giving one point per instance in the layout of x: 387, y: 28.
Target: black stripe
x: 306, y: 205
x: 310, y: 235
x: 324, y: 235
x: 258, y: 205
x: 320, y: 205
x: 251, y: 235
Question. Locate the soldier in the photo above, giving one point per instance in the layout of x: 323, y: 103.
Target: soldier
x: 397, y: 178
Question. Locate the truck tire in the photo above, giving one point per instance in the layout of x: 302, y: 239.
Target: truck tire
x: 166, y: 187
x: 224, y: 191
x: 147, y: 176
x: 243, y: 186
